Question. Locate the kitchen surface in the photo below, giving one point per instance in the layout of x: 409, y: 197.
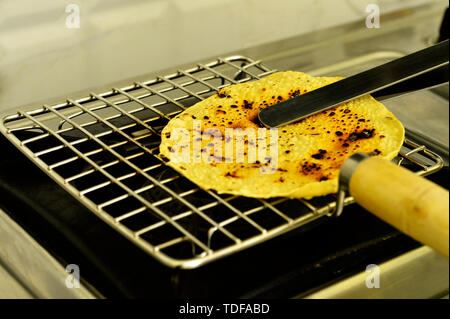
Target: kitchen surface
x: 58, y: 242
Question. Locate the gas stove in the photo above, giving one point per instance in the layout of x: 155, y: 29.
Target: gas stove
x: 124, y: 247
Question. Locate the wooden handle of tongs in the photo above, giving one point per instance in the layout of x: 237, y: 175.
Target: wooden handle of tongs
x: 412, y: 204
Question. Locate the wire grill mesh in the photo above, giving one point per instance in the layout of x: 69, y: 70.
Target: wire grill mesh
x: 103, y: 149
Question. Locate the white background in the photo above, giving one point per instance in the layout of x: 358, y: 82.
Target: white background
x: 41, y: 58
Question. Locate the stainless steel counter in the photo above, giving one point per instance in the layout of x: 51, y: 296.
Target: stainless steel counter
x: 27, y: 270
x: 419, y: 274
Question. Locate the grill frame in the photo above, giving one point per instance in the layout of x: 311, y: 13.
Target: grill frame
x: 431, y: 163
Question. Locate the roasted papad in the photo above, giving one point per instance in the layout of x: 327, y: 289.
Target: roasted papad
x: 310, y: 152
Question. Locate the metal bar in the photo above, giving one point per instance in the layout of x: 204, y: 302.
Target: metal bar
x: 131, y: 213
x: 243, y: 69
x: 151, y: 129
x: 308, y: 204
x: 238, y: 212
x: 74, y: 177
x: 145, y: 105
x: 153, y: 180
x: 142, y: 200
x: 167, y: 98
x: 213, y: 88
x: 170, y: 243
x: 181, y: 215
x: 33, y: 139
x: 182, y: 88
x: 220, y: 76
x: 53, y: 166
x: 277, y: 211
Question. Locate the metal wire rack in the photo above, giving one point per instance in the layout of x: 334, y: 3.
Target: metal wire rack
x: 104, y: 150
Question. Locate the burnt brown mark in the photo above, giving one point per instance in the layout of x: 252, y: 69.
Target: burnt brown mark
x: 248, y: 105
x: 281, y: 170
x: 255, y: 120
x: 223, y: 94
x: 295, y: 93
x: 364, y: 134
x: 308, y: 168
x: 375, y: 152
x: 232, y: 174
x: 319, y: 155
x: 281, y: 179
x: 323, y: 178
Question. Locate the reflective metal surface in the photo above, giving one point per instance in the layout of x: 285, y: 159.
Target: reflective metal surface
x: 395, y: 77
x: 28, y: 271
x: 421, y: 273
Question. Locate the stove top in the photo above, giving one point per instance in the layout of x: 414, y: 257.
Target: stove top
x: 301, y: 260
x: 293, y: 264
x: 304, y: 259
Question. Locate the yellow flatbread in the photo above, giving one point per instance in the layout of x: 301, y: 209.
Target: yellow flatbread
x: 303, y: 161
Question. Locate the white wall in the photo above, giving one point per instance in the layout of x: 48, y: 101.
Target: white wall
x: 41, y: 58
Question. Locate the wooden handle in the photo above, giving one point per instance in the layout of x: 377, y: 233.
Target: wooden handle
x: 412, y: 204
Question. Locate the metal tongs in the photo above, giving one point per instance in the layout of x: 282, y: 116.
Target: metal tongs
x: 412, y: 204
x: 420, y: 70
